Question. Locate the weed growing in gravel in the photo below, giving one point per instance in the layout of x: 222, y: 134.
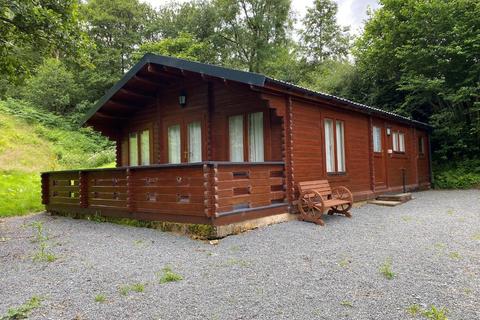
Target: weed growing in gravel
x: 450, y: 212
x: 100, y: 298
x: 238, y: 262
x: 414, y: 310
x: 344, y: 262
x: 137, y: 287
x: 455, y: 255
x: 22, y: 311
x: 406, y: 218
x: 439, y: 245
x: 435, y: 314
x: 476, y: 236
x: 346, y: 303
x: 40, y: 237
x: 386, y: 269
x: 169, y: 276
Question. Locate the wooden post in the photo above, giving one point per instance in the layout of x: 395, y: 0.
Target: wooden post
x: 130, y: 202
x: 83, y: 187
x: 288, y: 145
x: 45, y: 188
x: 371, y: 160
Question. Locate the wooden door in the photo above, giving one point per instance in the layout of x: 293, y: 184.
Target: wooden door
x: 184, y: 139
x: 379, y: 155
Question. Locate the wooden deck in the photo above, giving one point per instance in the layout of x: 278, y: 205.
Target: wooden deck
x: 205, y: 192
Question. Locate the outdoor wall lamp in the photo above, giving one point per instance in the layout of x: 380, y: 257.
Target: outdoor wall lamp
x: 389, y: 131
x: 182, y: 98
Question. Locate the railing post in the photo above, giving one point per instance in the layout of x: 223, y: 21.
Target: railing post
x: 45, y: 188
x: 210, y: 172
x: 83, y: 187
x: 129, y: 178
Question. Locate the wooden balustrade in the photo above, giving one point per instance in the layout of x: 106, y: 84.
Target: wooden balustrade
x: 206, y: 190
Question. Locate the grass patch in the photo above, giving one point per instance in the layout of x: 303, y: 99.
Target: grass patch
x: 344, y: 262
x: 455, y: 255
x: 435, y: 314
x: 101, y: 298
x: 168, y: 275
x: 19, y: 193
x: 386, y: 269
x: 346, y: 303
x: 43, y: 253
x: 24, y: 310
x: 476, y: 237
x: 237, y: 262
x: 407, y: 218
x: 414, y: 310
x: 136, y: 287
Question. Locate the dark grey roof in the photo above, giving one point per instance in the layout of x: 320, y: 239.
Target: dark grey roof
x: 250, y: 78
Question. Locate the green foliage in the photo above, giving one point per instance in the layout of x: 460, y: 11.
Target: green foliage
x: 421, y: 60
x: 101, y: 298
x: 386, y: 269
x: 136, y: 287
x: 322, y: 38
x: 52, y: 88
x: 30, y: 30
x: 19, y: 193
x: 459, y: 175
x: 413, y: 310
x: 184, y: 46
x: 24, y: 310
x: 43, y: 253
x: 168, y: 275
x: 435, y: 314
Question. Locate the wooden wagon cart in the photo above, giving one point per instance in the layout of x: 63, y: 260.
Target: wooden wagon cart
x: 317, y: 196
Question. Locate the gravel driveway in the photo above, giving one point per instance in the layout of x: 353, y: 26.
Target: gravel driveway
x: 292, y: 270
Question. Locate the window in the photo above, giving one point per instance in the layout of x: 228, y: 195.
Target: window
x: 377, y: 139
x: 334, y: 145
x: 194, y: 142
x: 398, y: 141
x: 235, y: 134
x: 174, y: 151
x: 254, y: 137
x: 421, y: 146
x: 139, y: 148
x: 133, y: 149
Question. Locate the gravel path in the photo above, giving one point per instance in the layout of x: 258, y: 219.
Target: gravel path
x: 293, y: 270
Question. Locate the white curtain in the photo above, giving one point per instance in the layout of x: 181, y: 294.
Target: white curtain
x: 194, y: 142
x: 340, y: 146
x: 377, y: 139
x: 255, y: 131
x: 329, y: 148
x: 174, y: 146
x: 133, y: 149
x: 401, y: 141
x: 395, y: 141
x: 145, y: 147
x: 235, y: 134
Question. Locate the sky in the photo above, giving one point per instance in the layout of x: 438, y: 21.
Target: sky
x: 350, y: 12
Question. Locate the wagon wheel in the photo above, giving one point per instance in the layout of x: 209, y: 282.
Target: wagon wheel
x: 311, y: 206
x: 342, y: 193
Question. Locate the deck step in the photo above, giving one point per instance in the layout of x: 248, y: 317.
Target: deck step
x: 385, y: 203
x: 401, y: 197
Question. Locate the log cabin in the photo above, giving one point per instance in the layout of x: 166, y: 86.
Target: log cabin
x: 203, y: 144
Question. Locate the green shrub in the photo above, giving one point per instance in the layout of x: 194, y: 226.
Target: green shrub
x: 460, y: 175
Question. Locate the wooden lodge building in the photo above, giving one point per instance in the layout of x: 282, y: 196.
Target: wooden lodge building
x: 198, y: 143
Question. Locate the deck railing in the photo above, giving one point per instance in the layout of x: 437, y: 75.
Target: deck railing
x: 207, y: 189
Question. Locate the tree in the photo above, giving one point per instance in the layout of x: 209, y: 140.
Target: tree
x: 322, y: 38
x: 184, y: 47
x: 33, y: 29
x: 117, y: 27
x: 253, y: 29
x: 53, y: 88
x: 423, y: 60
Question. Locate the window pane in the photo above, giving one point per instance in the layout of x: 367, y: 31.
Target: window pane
x: 145, y: 147
x: 340, y: 147
x: 421, y: 149
x: 174, y: 151
x: 377, y: 139
x: 194, y: 142
x: 395, y: 141
x: 235, y: 134
x: 255, y: 132
x: 133, y: 149
x: 329, y: 149
x: 401, y: 141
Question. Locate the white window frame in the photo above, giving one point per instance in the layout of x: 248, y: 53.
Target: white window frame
x: 377, y: 139
x: 398, y: 141
x: 334, y: 133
